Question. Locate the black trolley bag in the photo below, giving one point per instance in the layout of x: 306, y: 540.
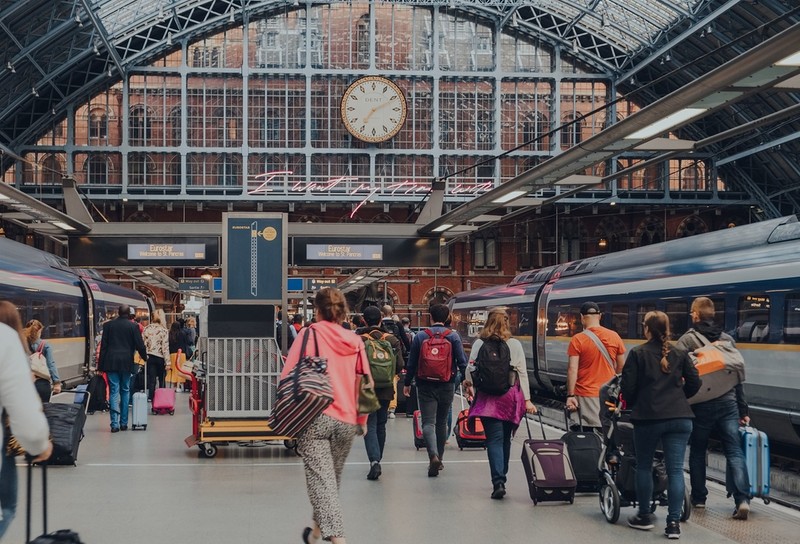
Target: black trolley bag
x: 64, y: 536
x: 584, y: 449
x: 66, y: 423
x: 547, y: 468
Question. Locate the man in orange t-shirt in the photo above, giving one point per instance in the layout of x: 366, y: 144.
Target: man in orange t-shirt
x: 588, y: 367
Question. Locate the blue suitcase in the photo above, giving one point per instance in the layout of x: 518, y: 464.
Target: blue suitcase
x: 756, y: 456
x: 79, y: 396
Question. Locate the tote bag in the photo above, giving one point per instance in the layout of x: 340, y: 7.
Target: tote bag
x: 38, y: 363
x: 303, y: 394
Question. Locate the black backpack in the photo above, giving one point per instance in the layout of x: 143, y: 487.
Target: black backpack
x: 492, y: 367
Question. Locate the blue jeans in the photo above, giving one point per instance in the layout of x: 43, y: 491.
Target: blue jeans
x: 435, y: 401
x: 674, y: 435
x: 498, y: 447
x: 723, y: 415
x: 119, y: 384
x: 8, y: 492
x: 376, y: 432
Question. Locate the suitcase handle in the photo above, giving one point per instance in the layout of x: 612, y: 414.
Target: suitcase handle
x: 29, y: 500
x: 568, y: 418
x: 528, y: 425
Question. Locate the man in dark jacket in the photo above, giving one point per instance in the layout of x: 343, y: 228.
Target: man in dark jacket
x: 724, y: 414
x: 121, y: 339
x: 376, y: 423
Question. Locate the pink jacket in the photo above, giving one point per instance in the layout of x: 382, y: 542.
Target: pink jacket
x: 347, y: 360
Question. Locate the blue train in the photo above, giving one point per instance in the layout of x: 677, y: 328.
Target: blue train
x: 71, y: 304
x: 752, y: 273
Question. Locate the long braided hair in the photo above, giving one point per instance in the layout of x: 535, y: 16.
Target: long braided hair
x: 658, y: 325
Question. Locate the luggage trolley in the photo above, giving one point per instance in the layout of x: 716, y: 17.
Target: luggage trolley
x: 234, y: 387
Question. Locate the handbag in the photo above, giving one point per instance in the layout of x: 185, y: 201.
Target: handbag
x: 38, y: 363
x: 303, y: 394
x: 367, y: 398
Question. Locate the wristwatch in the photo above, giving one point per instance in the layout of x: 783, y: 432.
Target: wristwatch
x: 571, y: 396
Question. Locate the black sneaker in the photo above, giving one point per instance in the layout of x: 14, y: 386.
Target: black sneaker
x: 698, y: 503
x: 433, y: 467
x: 374, y: 471
x: 673, y: 530
x: 499, y: 491
x: 645, y: 523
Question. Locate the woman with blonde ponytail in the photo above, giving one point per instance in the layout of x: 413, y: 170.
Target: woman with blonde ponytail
x: 657, y: 380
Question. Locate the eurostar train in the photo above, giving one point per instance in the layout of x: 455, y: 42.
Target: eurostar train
x: 71, y: 304
x: 752, y: 273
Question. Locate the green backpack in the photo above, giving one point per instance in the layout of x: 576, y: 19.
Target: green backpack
x: 381, y: 359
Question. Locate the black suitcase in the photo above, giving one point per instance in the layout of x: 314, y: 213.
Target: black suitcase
x: 66, y: 429
x: 63, y: 536
x: 584, y: 449
x: 547, y: 469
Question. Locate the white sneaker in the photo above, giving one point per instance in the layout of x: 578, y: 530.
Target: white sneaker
x: 391, y: 415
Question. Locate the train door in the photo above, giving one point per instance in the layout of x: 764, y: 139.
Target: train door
x: 543, y: 327
x: 91, y: 325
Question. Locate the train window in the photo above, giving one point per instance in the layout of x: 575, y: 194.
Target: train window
x: 752, y: 323
x: 678, y: 313
x: 563, y: 320
x: 719, y: 310
x: 619, y: 319
x: 791, y: 329
x: 521, y: 320
x: 641, y: 311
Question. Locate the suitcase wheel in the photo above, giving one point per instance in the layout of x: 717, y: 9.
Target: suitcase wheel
x: 154, y: 412
x: 460, y: 448
x: 172, y: 412
x: 144, y: 427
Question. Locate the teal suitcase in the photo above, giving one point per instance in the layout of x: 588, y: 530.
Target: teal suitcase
x: 756, y: 454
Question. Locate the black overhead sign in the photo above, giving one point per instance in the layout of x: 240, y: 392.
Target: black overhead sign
x: 91, y: 251
x: 366, y: 252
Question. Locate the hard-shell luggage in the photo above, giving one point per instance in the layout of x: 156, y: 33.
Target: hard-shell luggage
x: 547, y: 468
x: 164, y: 401
x: 584, y: 449
x: 138, y: 414
x: 66, y: 423
x: 64, y: 536
x: 469, y: 432
x: 80, y: 393
x: 756, y: 455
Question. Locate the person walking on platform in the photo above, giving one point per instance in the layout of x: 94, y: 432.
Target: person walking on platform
x: 595, y: 356
x: 156, y: 342
x: 435, y: 381
x: 500, y: 413
x: 177, y: 343
x: 21, y: 409
x: 723, y: 414
x: 375, y: 438
x: 656, y: 382
x: 326, y: 442
x: 52, y: 384
x: 121, y: 339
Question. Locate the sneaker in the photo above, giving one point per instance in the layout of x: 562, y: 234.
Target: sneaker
x: 374, y: 471
x: 645, y: 523
x: 433, y: 467
x: 698, y: 504
x: 391, y: 414
x: 499, y: 491
x: 742, y: 511
x: 123, y: 427
x: 673, y: 530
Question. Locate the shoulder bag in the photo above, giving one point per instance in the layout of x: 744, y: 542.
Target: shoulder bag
x: 367, y: 398
x: 303, y: 394
x: 38, y: 363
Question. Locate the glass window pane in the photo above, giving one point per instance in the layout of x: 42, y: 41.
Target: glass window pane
x: 752, y: 324
x: 791, y: 327
x: 678, y: 313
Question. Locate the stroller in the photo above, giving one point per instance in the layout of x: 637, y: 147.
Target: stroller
x: 617, y: 463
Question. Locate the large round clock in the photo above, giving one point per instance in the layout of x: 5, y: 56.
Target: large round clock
x: 373, y: 109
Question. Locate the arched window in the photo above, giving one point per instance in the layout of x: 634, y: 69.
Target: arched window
x: 98, y: 126
x: 571, y: 131
x: 97, y: 169
x: 484, y: 252
x: 141, y: 169
x: 174, y: 131
x: 229, y: 171
x: 363, y: 39
x: 52, y: 170
x: 651, y: 231
x: 534, y: 127
x: 174, y: 171
x: 139, y: 126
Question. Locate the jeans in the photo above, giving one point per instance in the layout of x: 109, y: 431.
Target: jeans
x: 376, y: 432
x: 723, y: 415
x: 498, y: 447
x: 674, y: 435
x: 156, y: 371
x: 435, y: 401
x: 119, y: 384
x: 8, y: 492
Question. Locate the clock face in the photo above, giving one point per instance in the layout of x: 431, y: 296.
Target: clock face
x: 373, y: 109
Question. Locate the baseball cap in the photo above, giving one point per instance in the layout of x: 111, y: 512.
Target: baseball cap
x: 590, y: 308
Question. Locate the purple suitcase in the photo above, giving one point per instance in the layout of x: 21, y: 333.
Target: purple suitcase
x: 548, y: 469
x: 164, y: 401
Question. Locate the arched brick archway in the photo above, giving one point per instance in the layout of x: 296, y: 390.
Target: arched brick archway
x: 437, y: 295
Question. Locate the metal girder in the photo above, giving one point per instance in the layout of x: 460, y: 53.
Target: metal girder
x: 101, y: 32
x: 759, y: 148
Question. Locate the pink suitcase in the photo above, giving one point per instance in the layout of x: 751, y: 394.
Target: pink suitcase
x: 164, y: 401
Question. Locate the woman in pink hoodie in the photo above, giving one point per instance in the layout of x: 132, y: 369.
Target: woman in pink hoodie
x: 325, y: 443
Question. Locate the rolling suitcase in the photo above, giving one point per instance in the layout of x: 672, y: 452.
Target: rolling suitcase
x: 584, y: 449
x: 469, y: 432
x: 65, y: 536
x: 164, y: 401
x: 547, y: 468
x: 756, y: 456
x: 138, y: 413
x: 66, y: 423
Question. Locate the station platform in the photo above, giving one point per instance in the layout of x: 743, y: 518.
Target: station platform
x: 147, y: 486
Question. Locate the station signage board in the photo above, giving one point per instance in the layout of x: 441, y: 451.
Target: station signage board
x: 192, y: 284
x: 97, y: 250
x: 254, y: 247
x: 315, y: 284
x: 359, y: 251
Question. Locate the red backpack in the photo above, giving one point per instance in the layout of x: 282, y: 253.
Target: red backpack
x: 436, y: 357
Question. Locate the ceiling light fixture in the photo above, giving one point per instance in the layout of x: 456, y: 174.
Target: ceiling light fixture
x: 443, y: 227
x: 509, y: 196
x: 11, y: 67
x: 232, y: 18
x: 62, y: 225
x: 665, y: 124
x: 791, y: 60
